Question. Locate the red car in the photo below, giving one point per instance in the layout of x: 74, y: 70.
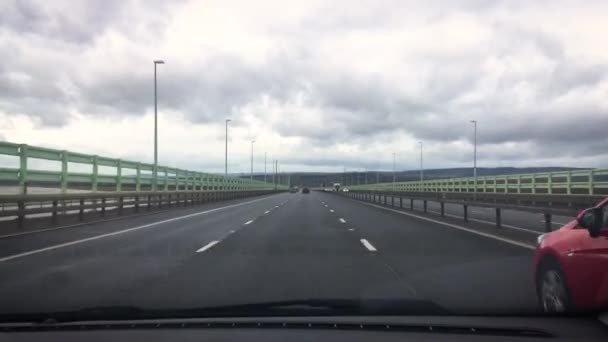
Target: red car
x: 571, y: 264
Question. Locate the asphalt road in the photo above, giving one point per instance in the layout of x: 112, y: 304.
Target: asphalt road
x: 273, y: 248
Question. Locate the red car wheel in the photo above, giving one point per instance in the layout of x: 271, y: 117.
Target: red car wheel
x: 552, y: 289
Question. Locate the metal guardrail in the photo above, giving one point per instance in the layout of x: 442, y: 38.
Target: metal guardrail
x: 122, y: 175
x: 546, y: 204
x: 592, y: 181
x: 56, y: 205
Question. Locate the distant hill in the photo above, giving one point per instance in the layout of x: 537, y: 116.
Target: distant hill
x: 314, y: 179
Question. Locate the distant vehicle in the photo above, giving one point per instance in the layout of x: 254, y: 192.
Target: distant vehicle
x: 305, y: 190
x: 345, y: 190
x: 337, y: 186
x: 293, y: 189
x: 571, y: 263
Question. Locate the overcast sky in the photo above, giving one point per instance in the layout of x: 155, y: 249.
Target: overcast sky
x: 320, y: 85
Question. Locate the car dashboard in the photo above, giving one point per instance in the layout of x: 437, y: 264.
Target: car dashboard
x: 350, y: 328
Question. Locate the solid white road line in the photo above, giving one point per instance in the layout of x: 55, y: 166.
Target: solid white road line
x: 77, y: 225
x: 472, y: 231
x: 97, y: 237
x: 368, y: 245
x: 207, y: 246
x: 342, y: 220
x: 249, y: 222
x: 555, y: 223
x: 331, y: 210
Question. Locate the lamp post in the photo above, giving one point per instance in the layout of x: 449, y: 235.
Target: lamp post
x: 274, y: 180
x: 251, y: 174
x: 394, y: 155
x: 155, y: 171
x: 226, y: 152
x: 474, y: 122
x: 421, y: 168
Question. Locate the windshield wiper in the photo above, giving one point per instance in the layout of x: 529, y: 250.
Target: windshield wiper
x: 305, y: 307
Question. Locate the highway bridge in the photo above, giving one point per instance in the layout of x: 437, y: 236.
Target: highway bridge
x: 199, y: 240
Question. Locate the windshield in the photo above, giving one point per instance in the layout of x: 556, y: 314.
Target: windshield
x: 303, y: 157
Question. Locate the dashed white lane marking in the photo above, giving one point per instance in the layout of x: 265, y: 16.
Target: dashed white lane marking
x: 351, y: 229
x: 276, y: 206
x: 207, y: 246
x: 248, y: 222
x: 331, y: 210
x: 231, y: 232
x: 266, y: 212
x: 342, y: 220
x: 149, y: 225
x: 368, y: 245
x: 326, y: 206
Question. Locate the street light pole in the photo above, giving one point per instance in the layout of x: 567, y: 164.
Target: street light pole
x: 226, y: 153
x: 274, y: 180
x: 394, y: 154
x: 265, y: 157
x: 421, y: 168
x: 278, y: 173
x: 251, y: 174
x: 155, y: 176
x: 474, y: 122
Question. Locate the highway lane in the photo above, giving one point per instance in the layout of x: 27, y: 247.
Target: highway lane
x: 299, y: 252
x: 458, y: 269
x: 286, y: 247
x: 102, y: 271
x: 15, y: 244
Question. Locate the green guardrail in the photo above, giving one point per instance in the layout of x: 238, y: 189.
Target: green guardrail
x: 591, y: 181
x: 118, y: 174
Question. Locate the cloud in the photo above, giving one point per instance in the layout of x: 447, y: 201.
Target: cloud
x: 75, y: 22
x: 80, y: 22
x: 344, y: 84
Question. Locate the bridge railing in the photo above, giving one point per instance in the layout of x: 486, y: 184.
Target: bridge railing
x: 99, y: 204
x: 547, y: 204
x: 74, y: 170
x: 592, y: 181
